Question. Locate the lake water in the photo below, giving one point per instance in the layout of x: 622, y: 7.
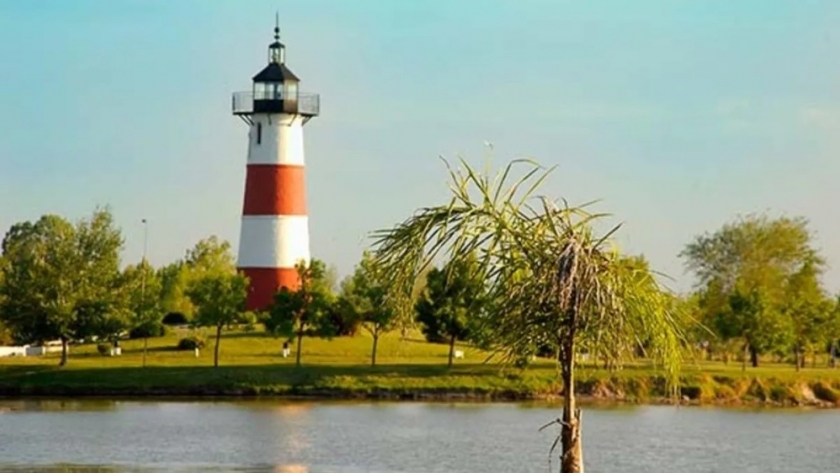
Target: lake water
x: 404, y: 438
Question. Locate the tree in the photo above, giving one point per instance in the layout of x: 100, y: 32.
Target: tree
x: 173, y: 280
x: 58, y: 277
x: 365, y: 296
x: 144, y: 289
x: 810, y: 312
x: 452, y: 298
x: 745, y: 276
x: 210, y: 255
x: 833, y: 331
x: 753, y: 315
x: 6, y: 336
x: 207, y: 255
x: 219, y: 298
x: 303, y: 311
x: 547, y: 275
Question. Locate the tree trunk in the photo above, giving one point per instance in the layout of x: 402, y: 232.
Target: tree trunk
x: 146, y: 347
x: 833, y: 361
x: 451, y: 349
x: 797, y: 358
x: 746, y: 355
x: 216, y: 351
x: 63, y: 361
x: 571, y: 457
x: 373, y: 352
x: 754, y: 357
x: 299, y: 343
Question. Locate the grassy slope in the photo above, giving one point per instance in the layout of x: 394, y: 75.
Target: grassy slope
x: 251, y: 364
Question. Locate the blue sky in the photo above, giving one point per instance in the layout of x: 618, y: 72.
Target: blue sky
x: 677, y: 115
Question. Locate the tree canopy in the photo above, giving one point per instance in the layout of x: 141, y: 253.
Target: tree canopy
x: 758, y: 283
x: 61, y: 280
x: 305, y: 310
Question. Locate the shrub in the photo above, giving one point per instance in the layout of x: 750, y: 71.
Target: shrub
x: 151, y: 330
x: 824, y: 392
x: 343, y: 319
x: 175, y: 318
x: 190, y: 343
x: 103, y: 348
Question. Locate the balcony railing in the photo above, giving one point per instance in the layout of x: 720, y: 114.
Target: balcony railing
x: 247, y: 103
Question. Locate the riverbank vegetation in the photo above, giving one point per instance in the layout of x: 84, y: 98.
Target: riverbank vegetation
x: 409, y: 368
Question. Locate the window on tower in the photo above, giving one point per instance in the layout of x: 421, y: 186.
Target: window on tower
x: 259, y: 133
x: 290, y: 91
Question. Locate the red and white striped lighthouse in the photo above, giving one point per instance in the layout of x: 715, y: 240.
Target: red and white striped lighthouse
x: 274, y: 235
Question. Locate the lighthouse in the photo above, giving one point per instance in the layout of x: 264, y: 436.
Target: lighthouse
x: 274, y: 234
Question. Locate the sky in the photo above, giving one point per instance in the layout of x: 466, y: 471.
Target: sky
x: 676, y: 116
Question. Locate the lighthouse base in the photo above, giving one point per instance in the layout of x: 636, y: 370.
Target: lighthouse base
x: 265, y: 282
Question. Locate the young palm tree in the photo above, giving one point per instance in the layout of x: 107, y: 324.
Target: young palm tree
x: 549, y: 278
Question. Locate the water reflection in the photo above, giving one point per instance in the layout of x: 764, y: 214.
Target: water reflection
x: 288, y: 437
x: 57, y: 405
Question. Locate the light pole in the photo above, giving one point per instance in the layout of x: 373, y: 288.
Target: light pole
x: 143, y: 289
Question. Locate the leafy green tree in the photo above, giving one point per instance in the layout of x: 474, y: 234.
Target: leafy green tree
x: 365, y: 295
x: 452, y: 299
x: 304, y: 311
x: 6, y: 336
x: 144, y: 289
x: 744, y: 272
x: 210, y: 255
x: 173, y: 280
x: 810, y: 312
x: 59, y: 276
x: 219, y: 299
x: 343, y: 318
x: 754, y: 316
x: 833, y: 332
x: 547, y: 275
x: 207, y: 255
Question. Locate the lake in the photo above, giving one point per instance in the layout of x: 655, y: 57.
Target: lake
x: 332, y: 437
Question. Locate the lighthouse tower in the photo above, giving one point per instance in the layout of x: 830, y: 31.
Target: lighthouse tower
x: 274, y: 235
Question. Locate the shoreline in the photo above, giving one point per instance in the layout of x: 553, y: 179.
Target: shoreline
x: 200, y: 394
x: 408, y: 371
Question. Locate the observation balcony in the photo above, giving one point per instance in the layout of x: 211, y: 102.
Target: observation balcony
x: 249, y: 103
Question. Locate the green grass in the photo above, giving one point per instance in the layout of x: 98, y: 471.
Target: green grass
x: 251, y: 365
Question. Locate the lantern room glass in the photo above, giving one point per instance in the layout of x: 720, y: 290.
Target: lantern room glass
x: 290, y: 90
x: 276, y: 53
x: 269, y: 90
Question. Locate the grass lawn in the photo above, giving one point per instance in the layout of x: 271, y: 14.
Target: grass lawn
x: 250, y: 364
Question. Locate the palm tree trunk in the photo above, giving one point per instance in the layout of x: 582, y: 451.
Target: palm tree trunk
x: 216, y: 351
x: 571, y: 459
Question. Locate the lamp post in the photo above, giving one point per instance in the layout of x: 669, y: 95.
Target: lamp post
x: 143, y: 289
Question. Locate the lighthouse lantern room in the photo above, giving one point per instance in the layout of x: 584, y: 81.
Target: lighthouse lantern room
x: 274, y: 234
